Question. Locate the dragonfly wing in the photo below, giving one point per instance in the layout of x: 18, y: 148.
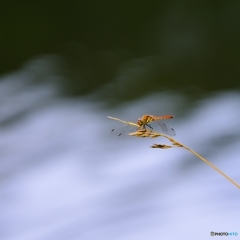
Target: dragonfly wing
x: 122, y: 131
x: 166, y: 129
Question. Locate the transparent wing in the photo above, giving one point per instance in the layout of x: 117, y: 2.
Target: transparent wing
x: 166, y: 129
x: 122, y: 131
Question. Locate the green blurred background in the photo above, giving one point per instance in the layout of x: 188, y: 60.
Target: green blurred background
x: 138, y: 47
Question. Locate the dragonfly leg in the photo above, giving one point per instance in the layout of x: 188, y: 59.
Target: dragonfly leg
x: 142, y: 128
x: 149, y: 126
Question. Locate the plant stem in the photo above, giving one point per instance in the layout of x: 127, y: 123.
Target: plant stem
x: 178, y: 144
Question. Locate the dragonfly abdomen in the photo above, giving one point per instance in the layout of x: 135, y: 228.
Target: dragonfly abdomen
x: 150, y: 118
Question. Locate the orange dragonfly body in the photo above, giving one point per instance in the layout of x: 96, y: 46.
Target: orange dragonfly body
x: 146, y: 119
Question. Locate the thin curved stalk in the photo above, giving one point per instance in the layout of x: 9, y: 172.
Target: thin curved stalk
x: 152, y: 134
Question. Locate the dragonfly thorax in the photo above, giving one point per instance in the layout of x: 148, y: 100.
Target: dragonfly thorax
x: 142, y: 125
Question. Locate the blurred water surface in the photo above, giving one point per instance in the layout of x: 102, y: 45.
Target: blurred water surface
x: 63, y: 177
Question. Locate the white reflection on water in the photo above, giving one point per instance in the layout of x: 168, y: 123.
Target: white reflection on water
x: 63, y: 177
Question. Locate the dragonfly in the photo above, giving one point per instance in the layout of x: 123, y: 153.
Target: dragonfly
x: 145, y: 121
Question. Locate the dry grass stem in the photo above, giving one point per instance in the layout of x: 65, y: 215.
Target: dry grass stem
x: 128, y: 123
x: 140, y: 132
x: 143, y: 134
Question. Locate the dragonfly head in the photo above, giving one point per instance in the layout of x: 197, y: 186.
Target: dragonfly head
x: 140, y: 122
